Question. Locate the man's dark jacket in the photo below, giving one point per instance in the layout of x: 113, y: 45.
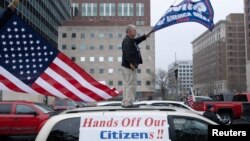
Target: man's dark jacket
x: 131, y: 52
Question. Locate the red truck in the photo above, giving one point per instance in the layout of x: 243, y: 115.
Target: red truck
x: 228, y: 110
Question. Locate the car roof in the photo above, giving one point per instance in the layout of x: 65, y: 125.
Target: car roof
x: 158, y: 101
x: 119, y: 108
x: 106, y: 103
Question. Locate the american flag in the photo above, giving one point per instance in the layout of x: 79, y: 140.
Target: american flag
x: 190, y: 97
x: 29, y: 64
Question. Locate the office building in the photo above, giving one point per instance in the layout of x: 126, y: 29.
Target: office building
x: 247, y: 40
x: 179, y: 81
x: 93, y: 36
x: 219, y: 58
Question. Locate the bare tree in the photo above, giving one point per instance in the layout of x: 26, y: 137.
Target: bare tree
x: 161, y: 79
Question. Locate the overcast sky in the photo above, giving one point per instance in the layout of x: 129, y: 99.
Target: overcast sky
x: 176, y: 39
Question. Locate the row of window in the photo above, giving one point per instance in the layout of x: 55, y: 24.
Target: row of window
x: 107, y: 9
x: 186, y: 82
x: 110, y: 70
x: 181, y: 66
x: 185, y: 86
x: 183, y: 78
x: 185, y: 74
x: 185, y: 70
x: 101, y: 59
x: 120, y: 83
x: 92, y: 35
x: 101, y: 47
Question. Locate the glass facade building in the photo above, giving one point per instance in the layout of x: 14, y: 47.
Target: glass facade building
x: 43, y: 15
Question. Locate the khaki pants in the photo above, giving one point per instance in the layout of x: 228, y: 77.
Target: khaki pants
x: 130, y: 81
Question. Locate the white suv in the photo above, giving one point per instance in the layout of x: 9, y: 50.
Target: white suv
x: 116, y: 123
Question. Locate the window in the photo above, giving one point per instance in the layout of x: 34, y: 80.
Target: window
x: 190, y: 129
x: 82, y: 35
x: 111, y: 70
x: 65, y: 130
x: 147, y: 46
x: 73, y: 35
x: 139, y: 83
x: 83, y: 47
x: 92, y: 59
x: 101, y: 47
x: 120, y: 35
x: 120, y: 83
x: 101, y: 36
x: 73, y: 47
x: 147, y: 70
x: 111, y: 59
x: 92, y: 47
x: 119, y: 47
x: 5, y: 108
x: 64, y: 47
x: 73, y: 59
x: 125, y: 9
x: 110, y: 47
x: 64, y: 35
x: 110, y: 35
x: 119, y: 59
x: 148, y: 83
x: 140, y: 9
x: 101, y: 59
x: 111, y: 83
x: 89, y: 9
x: 82, y: 59
x: 75, y: 9
x: 107, y: 9
x: 138, y: 70
x: 23, y: 109
x: 91, y: 71
x: 92, y: 35
x: 101, y: 70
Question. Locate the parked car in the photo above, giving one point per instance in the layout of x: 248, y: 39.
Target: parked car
x: 118, y: 123
x: 65, y: 104
x: 22, y: 117
x: 222, y: 97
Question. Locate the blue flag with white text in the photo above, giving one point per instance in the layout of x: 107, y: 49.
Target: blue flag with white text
x: 200, y: 11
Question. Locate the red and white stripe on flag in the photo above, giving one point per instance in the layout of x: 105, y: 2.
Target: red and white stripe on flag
x: 62, y: 79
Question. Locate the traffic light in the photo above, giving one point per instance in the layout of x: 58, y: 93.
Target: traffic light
x: 176, y: 73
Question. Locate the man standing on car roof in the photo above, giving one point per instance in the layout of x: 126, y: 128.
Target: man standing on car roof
x: 131, y: 58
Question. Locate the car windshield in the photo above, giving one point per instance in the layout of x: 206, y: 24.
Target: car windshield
x: 71, y: 103
x: 44, y: 108
x: 203, y: 98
